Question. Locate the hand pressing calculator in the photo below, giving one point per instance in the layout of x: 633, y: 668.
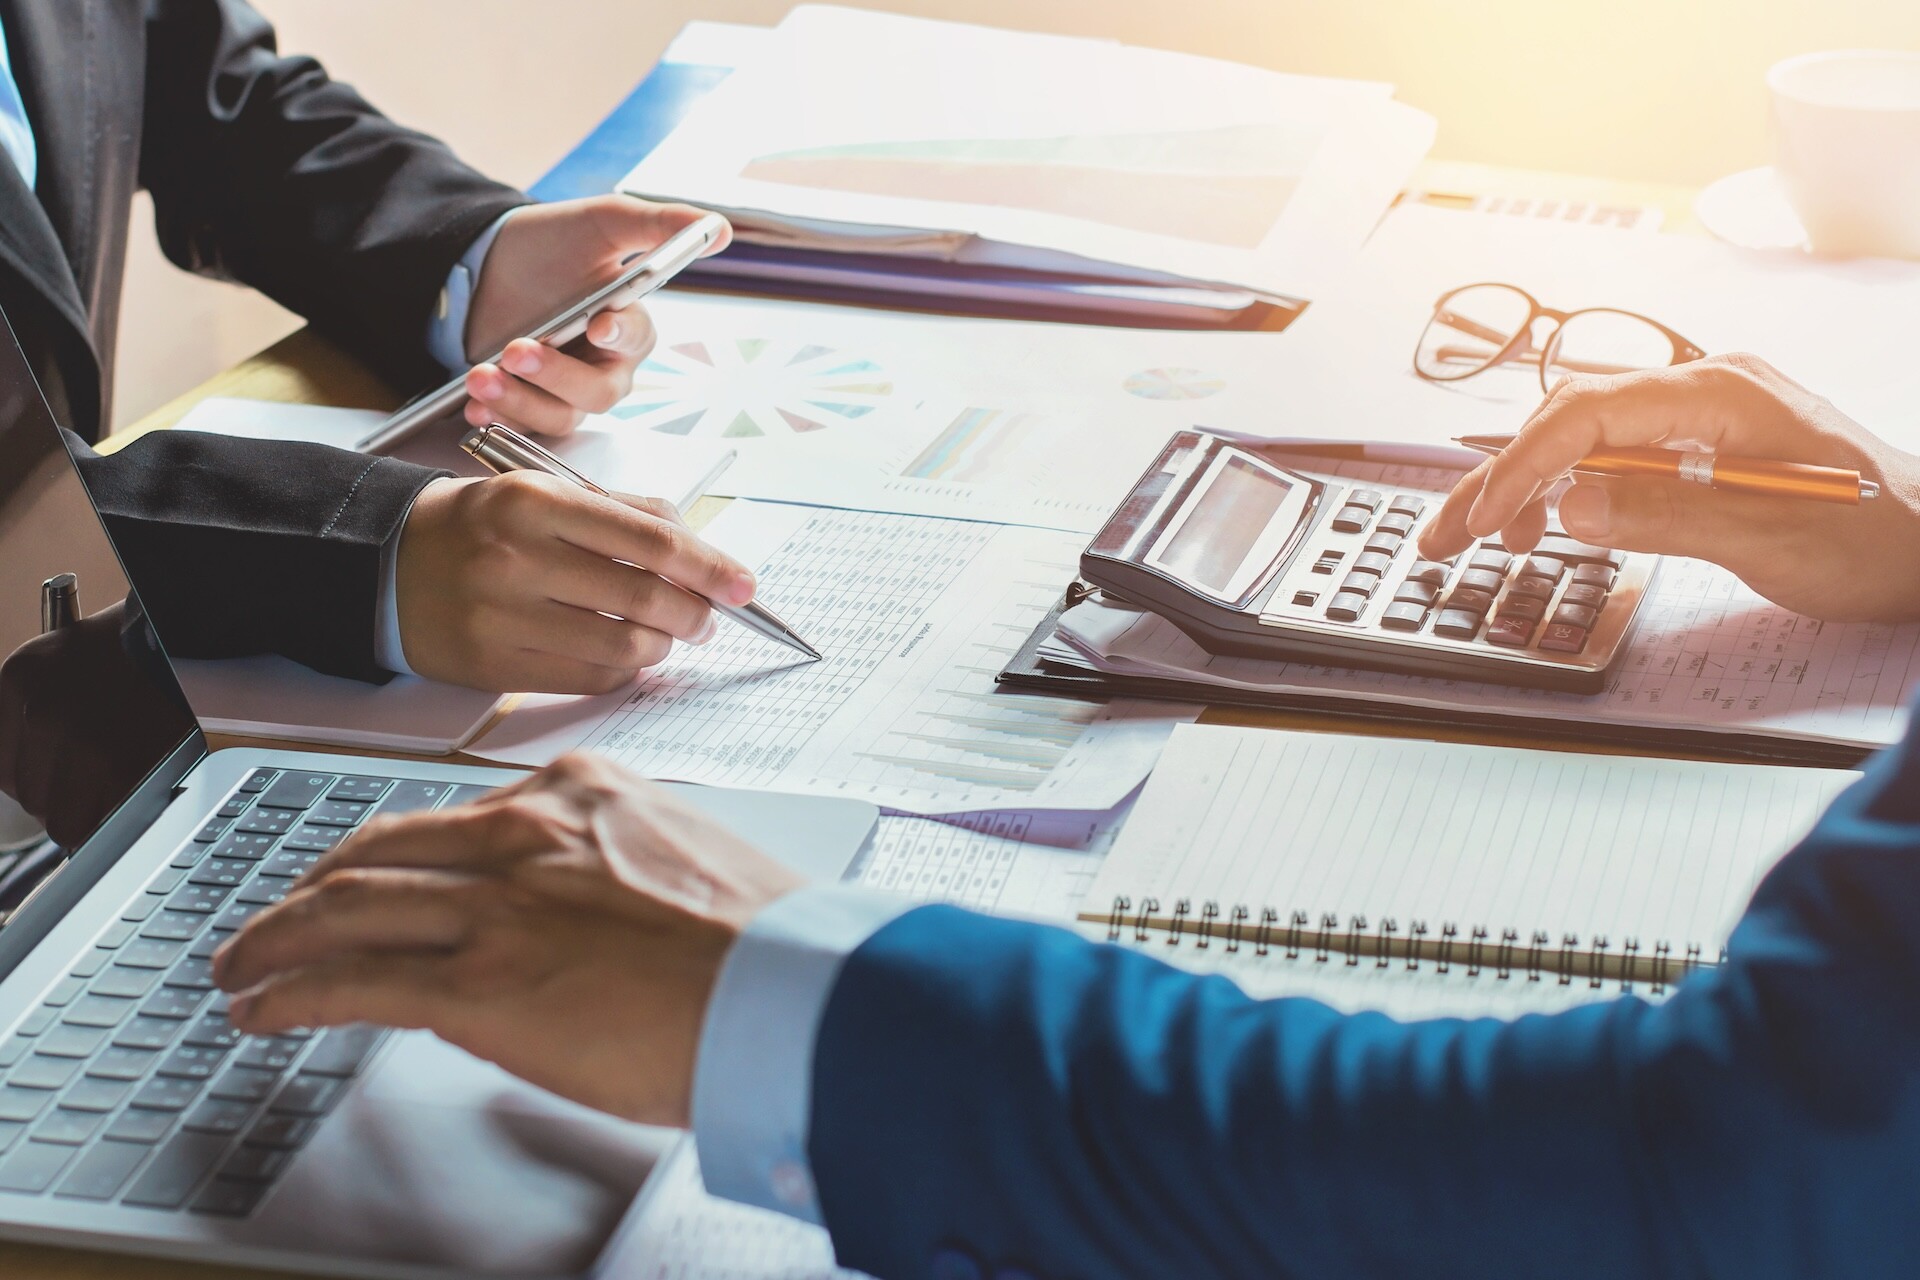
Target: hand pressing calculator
x: 1253, y: 559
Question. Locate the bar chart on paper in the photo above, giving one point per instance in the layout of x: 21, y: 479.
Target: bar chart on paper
x: 916, y: 617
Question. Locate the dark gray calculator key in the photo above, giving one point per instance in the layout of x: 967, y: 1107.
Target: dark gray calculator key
x: 274, y: 1053
x: 338, y: 813
x: 176, y: 1003
x: 1346, y: 520
x: 1386, y: 544
x: 1431, y: 572
x: 1574, y: 615
x: 71, y: 1042
x: 254, y: 1164
x: 117, y: 935
x: 213, y: 1033
x: 218, y: 1116
x: 121, y: 1063
x: 1368, y: 498
x: 1346, y: 606
x: 148, y: 953
x: 290, y: 864
x: 1492, y: 559
x: 147, y: 1033
x: 1576, y: 552
x: 64, y: 993
x: 140, y: 908
x: 264, y: 893
x: 318, y: 839
x: 164, y: 1093
x: 257, y: 781
x: 1594, y: 575
x: 1482, y: 580
x: 1510, y: 632
x: 1585, y: 594
x: 94, y: 1095
x: 101, y: 1172
x: 1404, y: 615
x: 1392, y: 523
x: 37, y: 1071
x: 223, y: 871
x: 228, y: 1198
x: 306, y: 1095
x: 167, y: 880
x: 234, y: 807
x: 363, y: 789
x: 1538, y: 566
x: 1373, y: 562
x: 69, y: 1128
x: 37, y: 1021
x: 1420, y: 593
x: 140, y: 1126
x: 33, y: 1166
x: 1359, y: 584
x: 1405, y: 504
x: 190, y: 1062
x: 236, y: 916
x: 468, y: 792
x: 1532, y: 608
x: 1457, y: 624
x: 1538, y: 588
x: 194, y: 975
x: 265, y: 821
x: 211, y: 832
x: 279, y: 1133
x: 296, y: 790
x: 22, y: 1105
x: 98, y: 1009
x: 342, y: 1051
x: 251, y: 845
x: 1468, y: 600
x: 177, y: 1168
x: 203, y: 899
x: 243, y: 1084
x: 9, y: 1134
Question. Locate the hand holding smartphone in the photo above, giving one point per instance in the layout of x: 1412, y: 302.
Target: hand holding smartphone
x: 643, y: 274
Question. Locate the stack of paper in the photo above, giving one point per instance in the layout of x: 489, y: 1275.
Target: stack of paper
x: 1109, y: 169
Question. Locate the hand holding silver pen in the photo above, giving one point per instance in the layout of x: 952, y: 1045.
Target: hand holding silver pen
x: 502, y: 449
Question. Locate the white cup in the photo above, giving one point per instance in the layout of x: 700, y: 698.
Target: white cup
x: 1846, y: 128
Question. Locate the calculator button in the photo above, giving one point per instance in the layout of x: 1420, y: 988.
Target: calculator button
x: 1404, y: 615
x: 1393, y: 522
x: 1532, y: 608
x: 1577, y: 552
x: 1510, y: 632
x: 1373, y: 562
x: 1594, y: 575
x: 1351, y: 519
x: 1367, y: 498
x: 1429, y: 571
x: 1457, y: 624
x: 1359, y: 584
x: 1346, y: 607
x: 1573, y: 615
x: 1470, y: 600
x: 1482, y: 580
x: 1559, y: 637
x: 1544, y: 567
x: 1387, y: 544
x: 1539, y: 588
x: 1406, y: 504
x: 1304, y: 599
x: 1420, y: 593
x: 1583, y: 593
x: 1491, y: 559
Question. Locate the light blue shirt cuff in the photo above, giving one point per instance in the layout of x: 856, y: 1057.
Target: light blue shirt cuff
x: 387, y: 650
x: 753, y: 1079
x: 447, y: 331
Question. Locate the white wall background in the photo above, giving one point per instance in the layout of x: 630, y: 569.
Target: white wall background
x: 1656, y: 90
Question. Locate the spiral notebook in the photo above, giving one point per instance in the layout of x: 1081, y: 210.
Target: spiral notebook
x: 1427, y: 865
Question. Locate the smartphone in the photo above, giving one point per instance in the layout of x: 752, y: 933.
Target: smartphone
x: 640, y: 276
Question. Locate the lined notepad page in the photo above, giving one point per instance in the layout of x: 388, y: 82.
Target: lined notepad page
x: 1595, y: 846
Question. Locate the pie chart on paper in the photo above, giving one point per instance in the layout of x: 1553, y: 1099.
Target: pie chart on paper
x: 752, y: 388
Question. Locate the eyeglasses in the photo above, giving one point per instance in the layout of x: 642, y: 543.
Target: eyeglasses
x: 1478, y: 326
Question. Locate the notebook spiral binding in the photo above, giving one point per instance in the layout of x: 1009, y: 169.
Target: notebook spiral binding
x: 1383, y: 943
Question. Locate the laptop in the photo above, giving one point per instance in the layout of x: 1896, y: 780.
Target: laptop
x: 132, y: 1116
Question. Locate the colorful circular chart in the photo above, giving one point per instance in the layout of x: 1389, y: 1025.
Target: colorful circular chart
x: 1174, y: 384
x: 750, y: 388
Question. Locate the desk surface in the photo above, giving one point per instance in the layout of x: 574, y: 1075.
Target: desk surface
x: 306, y: 368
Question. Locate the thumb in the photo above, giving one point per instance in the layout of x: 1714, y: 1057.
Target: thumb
x: 1668, y: 517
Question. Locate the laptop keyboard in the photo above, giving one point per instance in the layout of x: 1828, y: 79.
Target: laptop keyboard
x: 128, y: 1085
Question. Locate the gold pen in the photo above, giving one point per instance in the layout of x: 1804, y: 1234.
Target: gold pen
x: 502, y: 449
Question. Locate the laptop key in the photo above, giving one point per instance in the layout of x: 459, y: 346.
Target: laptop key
x: 243, y: 1084
x: 236, y: 916
x: 14, y: 1050
x: 71, y: 1042
x: 280, y: 1133
x: 257, y: 781
x: 21, y: 1105
x: 37, y: 1021
x: 174, y: 926
x: 137, y: 911
x: 467, y: 793
x: 342, y: 1051
x: 338, y: 813
x: 220, y: 1116
x: 366, y: 790
x: 147, y: 1033
x: 234, y: 807
x: 254, y: 1164
x: 10, y: 1134
x: 194, y: 975
x: 273, y: 1053
x: 408, y: 796
x: 190, y: 1062
x: 163, y: 1094
x: 97, y: 1010
x: 204, y: 899
x: 91, y: 963
x: 42, y: 1072
x: 177, y: 1169
x: 94, y: 1095
x: 316, y: 839
x: 116, y: 935
x: 265, y: 893
x: 117, y: 1063
x: 213, y: 1033
x: 290, y: 864
x: 214, y: 829
x: 176, y: 1003
x: 272, y: 822
x: 167, y: 881
x: 296, y: 790
x: 102, y: 1171
x: 204, y: 949
x: 140, y: 1126
x: 230, y: 1199
x: 306, y: 1095
x: 148, y: 953
x: 125, y: 984
x: 33, y: 1166
x: 222, y: 871
x: 249, y: 845
x: 64, y: 993
x: 69, y: 1128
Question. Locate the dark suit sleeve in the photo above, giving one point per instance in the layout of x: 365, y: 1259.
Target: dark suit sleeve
x: 240, y: 547
x: 992, y: 1096
x: 266, y: 171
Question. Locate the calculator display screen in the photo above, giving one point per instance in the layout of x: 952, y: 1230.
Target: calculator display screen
x: 1223, y: 525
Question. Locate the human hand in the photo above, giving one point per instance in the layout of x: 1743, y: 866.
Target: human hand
x: 569, y: 928
x: 525, y: 583
x: 1838, y: 563
x: 546, y: 256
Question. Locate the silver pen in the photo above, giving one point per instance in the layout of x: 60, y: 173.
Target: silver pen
x: 502, y: 449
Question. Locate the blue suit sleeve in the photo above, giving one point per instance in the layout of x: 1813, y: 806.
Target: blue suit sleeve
x: 992, y: 1096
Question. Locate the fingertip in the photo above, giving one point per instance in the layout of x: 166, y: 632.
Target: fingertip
x: 1587, y: 512
x: 486, y: 382
x: 606, y: 330
x: 741, y: 588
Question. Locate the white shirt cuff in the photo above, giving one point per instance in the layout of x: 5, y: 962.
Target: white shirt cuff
x: 753, y: 1079
x: 387, y: 649
x: 447, y: 331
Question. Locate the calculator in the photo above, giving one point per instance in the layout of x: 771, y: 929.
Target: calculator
x: 1252, y: 559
